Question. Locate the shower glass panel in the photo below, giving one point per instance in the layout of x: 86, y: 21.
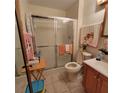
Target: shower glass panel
x: 64, y: 35
x: 49, y: 34
x: 45, y: 39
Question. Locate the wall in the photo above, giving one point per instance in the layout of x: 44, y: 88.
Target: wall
x: 79, y: 24
x: 85, y: 12
x: 44, y: 11
x: 76, y: 11
x: 23, y: 10
x: 90, y: 14
x: 72, y: 12
x: 93, y: 17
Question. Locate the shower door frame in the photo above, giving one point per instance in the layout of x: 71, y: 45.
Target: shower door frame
x: 55, y: 29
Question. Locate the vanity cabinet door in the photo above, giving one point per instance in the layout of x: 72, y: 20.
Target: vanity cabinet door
x: 94, y: 82
x: 102, y: 86
x: 90, y: 80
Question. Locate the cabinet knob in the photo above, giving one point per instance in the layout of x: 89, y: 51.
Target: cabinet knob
x: 98, y: 79
x: 95, y: 77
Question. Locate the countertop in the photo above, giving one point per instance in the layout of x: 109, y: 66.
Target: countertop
x: 100, y: 66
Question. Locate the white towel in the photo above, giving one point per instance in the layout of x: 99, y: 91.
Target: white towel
x: 67, y: 47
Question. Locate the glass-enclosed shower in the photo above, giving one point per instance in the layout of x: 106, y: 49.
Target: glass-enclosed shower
x: 49, y: 34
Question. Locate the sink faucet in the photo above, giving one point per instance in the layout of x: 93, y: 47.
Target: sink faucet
x: 100, y: 55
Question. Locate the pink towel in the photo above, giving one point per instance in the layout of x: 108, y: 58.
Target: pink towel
x: 28, y: 46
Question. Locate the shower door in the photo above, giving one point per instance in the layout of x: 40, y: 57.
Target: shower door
x: 49, y: 33
x: 45, y: 39
x: 64, y: 35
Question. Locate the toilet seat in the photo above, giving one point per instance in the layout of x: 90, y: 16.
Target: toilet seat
x: 72, y: 67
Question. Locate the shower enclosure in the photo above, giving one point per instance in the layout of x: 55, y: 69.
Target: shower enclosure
x: 49, y: 33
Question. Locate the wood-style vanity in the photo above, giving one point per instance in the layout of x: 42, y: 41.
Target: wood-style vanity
x: 95, y: 78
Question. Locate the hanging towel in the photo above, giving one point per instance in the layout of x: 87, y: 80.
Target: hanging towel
x: 61, y: 49
x: 28, y: 46
x: 68, y: 48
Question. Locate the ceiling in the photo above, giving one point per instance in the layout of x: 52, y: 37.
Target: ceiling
x: 57, y: 4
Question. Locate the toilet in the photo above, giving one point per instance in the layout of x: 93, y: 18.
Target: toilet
x: 73, y: 68
x: 86, y: 55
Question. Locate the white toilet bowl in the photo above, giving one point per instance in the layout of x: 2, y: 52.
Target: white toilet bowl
x: 72, y: 67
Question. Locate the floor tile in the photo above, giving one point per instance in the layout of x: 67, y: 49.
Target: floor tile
x: 61, y: 87
x: 50, y: 89
x: 77, y: 90
x: 56, y: 82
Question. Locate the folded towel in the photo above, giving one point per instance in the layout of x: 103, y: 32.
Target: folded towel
x: 61, y: 49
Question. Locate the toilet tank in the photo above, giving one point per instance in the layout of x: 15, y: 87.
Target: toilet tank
x: 81, y: 56
x: 86, y: 55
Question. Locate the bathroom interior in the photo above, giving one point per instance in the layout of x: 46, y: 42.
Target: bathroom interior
x: 61, y: 46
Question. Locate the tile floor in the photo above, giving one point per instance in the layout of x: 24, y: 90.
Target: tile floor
x: 56, y: 82
x: 20, y: 84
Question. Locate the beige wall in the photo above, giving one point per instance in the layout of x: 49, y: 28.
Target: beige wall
x: 79, y: 23
x: 23, y: 10
x: 44, y: 11
x: 72, y: 12
x: 90, y: 14
x: 76, y: 12
x: 93, y: 17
